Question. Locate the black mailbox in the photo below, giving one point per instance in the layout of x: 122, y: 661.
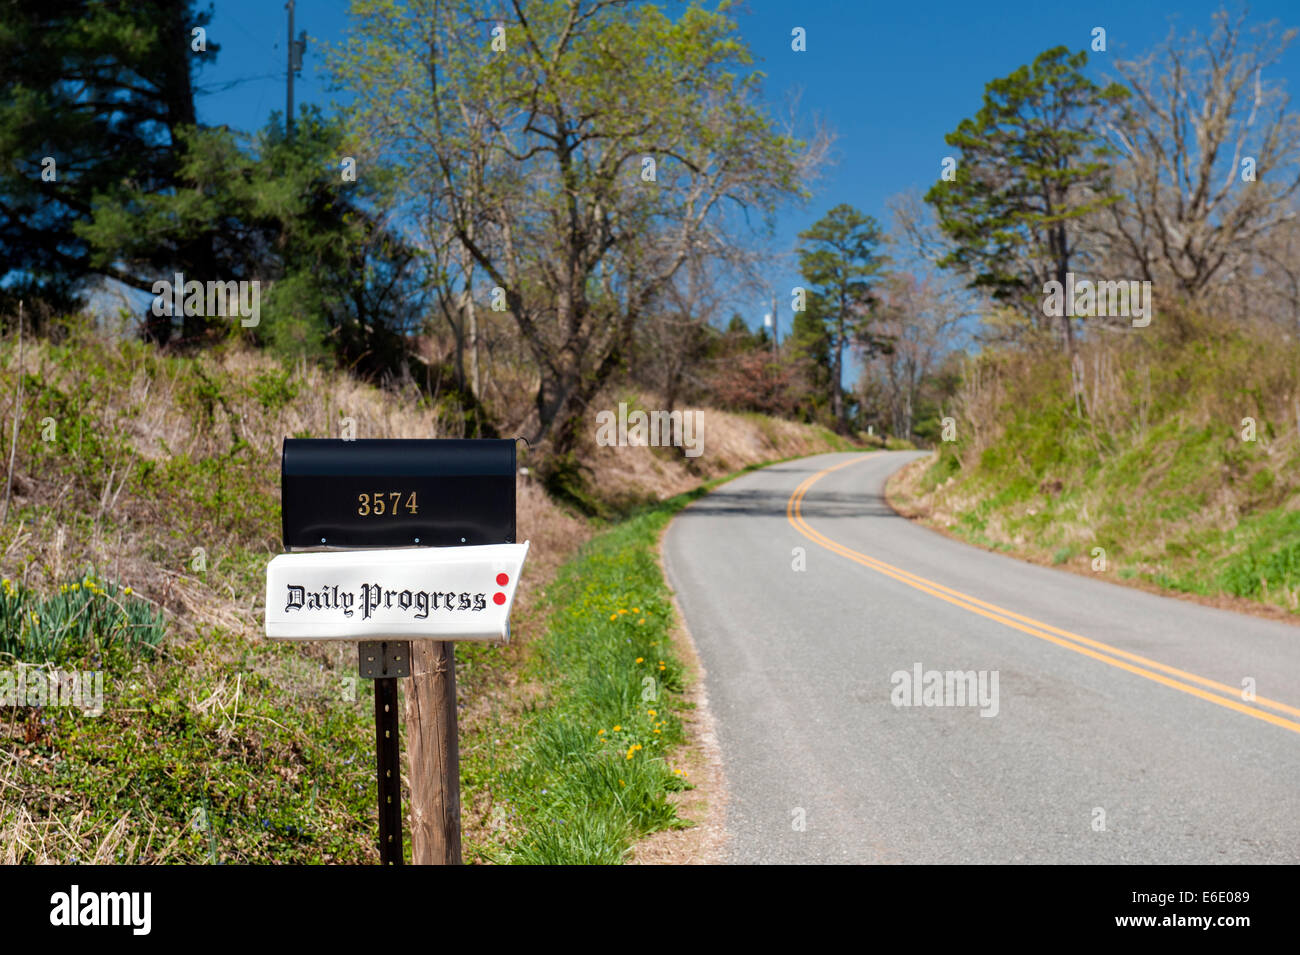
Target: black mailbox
x: 397, y: 492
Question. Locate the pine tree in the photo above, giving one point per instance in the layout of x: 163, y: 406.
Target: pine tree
x: 92, y: 96
x: 839, y: 261
x: 1031, y: 166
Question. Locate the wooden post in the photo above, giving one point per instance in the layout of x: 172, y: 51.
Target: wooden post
x: 434, y: 754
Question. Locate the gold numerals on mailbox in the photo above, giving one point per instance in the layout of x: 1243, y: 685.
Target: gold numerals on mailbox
x: 387, y: 502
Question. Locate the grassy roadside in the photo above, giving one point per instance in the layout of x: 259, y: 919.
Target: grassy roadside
x: 592, y: 758
x: 156, y: 477
x: 197, y: 757
x: 1198, y: 571
x: 1177, y: 470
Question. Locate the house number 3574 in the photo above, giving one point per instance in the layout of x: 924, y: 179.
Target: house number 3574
x: 386, y: 502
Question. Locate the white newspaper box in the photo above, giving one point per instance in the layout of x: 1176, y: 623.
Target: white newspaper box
x: 439, y: 593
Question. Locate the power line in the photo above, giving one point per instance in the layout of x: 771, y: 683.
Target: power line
x: 231, y: 84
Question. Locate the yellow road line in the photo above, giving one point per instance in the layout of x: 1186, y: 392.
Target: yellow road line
x: 1064, y: 638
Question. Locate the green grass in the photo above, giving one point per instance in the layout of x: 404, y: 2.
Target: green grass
x: 593, y: 764
x: 839, y: 442
x: 1158, y: 474
x: 206, y: 761
x: 1262, y: 565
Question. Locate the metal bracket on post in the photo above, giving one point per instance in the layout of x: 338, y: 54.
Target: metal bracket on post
x: 384, y: 661
x: 377, y: 659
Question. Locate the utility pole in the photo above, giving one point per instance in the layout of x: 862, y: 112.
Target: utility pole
x: 774, y: 325
x: 296, y: 50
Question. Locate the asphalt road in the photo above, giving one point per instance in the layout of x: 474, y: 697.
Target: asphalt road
x: 1119, y: 732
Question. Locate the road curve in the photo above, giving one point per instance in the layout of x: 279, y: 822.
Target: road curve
x: 1116, y: 731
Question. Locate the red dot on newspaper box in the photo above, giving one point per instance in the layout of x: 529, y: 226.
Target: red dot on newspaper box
x: 502, y: 580
x: 499, y: 598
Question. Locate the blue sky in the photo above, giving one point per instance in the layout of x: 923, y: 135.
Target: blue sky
x: 890, y: 78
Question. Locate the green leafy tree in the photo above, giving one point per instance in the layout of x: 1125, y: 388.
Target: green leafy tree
x: 1032, y: 165
x: 582, y: 152
x: 839, y: 259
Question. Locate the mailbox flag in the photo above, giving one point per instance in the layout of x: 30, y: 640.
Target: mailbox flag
x: 438, y: 593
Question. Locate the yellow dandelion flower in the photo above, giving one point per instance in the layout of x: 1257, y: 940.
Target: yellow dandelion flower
x: 642, y: 620
x: 622, y: 611
x: 601, y: 733
x: 128, y: 591
x: 640, y: 659
x: 651, y: 713
x: 613, y: 616
x: 617, y: 728
x: 657, y: 732
x: 636, y: 609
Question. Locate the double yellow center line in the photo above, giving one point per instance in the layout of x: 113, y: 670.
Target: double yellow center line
x: 1207, y: 689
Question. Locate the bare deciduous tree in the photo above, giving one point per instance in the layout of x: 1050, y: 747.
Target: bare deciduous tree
x: 922, y: 317
x: 1202, y: 106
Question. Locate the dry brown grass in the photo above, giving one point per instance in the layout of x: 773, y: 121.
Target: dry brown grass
x: 26, y: 838
x: 730, y: 442
x: 145, y: 402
